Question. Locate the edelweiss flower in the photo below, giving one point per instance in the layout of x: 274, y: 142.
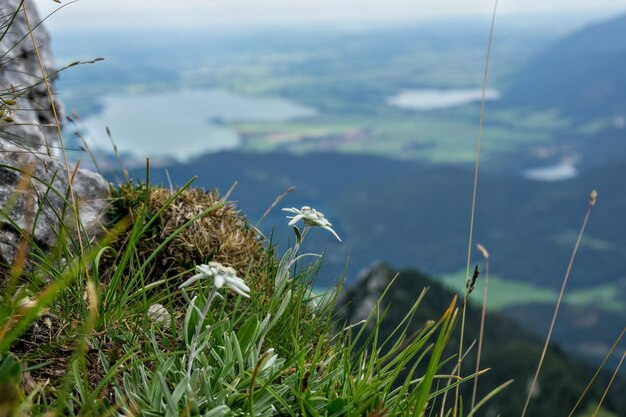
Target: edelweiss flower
x: 311, y: 218
x: 223, y: 276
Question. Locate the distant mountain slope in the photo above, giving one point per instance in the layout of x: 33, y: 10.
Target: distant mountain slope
x: 583, y: 74
x: 509, y: 351
x: 587, y: 331
x: 415, y: 214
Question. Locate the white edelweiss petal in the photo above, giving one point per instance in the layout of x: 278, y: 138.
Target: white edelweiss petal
x: 203, y: 269
x: 312, y: 221
x: 239, y: 283
x: 191, y: 280
x: 296, y: 219
x: 240, y: 292
x: 332, y: 231
x: 311, y: 218
x: 320, y: 223
x: 219, y: 281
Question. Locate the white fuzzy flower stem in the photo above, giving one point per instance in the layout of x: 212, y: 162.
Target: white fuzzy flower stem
x: 296, y: 248
x: 194, y: 341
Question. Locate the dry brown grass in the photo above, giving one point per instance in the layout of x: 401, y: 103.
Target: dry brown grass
x: 223, y: 235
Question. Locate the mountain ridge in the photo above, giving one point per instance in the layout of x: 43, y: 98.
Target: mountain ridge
x: 581, y: 74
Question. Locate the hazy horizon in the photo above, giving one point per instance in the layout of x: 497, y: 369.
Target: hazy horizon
x: 93, y: 15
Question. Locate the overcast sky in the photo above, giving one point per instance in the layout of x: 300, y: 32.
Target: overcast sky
x: 122, y: 14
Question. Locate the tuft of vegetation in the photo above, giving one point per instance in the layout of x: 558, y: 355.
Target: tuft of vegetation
x: 78, y: 344
x: 222, y: 235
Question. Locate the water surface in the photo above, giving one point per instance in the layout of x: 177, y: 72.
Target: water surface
x: 182, y: 124
x: 557, y: 172
x: 432, y: 99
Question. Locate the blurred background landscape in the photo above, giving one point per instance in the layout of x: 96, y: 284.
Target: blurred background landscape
x: 371, y: 112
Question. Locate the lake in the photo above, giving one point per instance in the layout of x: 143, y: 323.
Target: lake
x: 182, y: 124
x: 433, y: 99
x: 557, y: 172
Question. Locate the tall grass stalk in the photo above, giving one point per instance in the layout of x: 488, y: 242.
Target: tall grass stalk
x: 592, y: 202
x: 619, y: 365
x: 606, y: 358
x: 454, y: 372
x: 70, y: 177
x: 474, y: 192
x: 274, y: 203
x: 483, y: 313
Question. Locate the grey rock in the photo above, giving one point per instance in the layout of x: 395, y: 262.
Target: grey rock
x: 368, y: 288
x: 33, y: 180
x: 33, y: 192
x: 355, y: 303
x: 33, y: 124
x: 401, y: 289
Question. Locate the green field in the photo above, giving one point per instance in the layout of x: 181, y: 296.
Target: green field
x: 503, y: 293
x: 436, y: 136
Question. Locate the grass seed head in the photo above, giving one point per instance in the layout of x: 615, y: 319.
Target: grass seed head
x: 482, y: 251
